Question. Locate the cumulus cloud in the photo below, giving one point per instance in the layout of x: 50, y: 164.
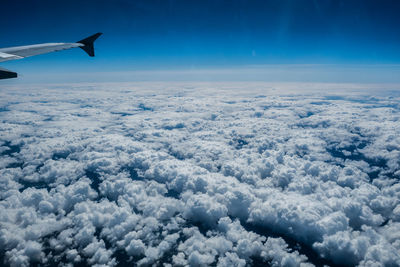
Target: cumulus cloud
x: 200, y: 174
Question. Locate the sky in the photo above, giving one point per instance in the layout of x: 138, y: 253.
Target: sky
x: 334, y: 40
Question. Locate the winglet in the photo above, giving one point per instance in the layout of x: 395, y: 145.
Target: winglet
x: 88, y: 43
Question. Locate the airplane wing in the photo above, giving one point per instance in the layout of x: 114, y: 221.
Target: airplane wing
x: 19, y: 52
x: 6, y: 57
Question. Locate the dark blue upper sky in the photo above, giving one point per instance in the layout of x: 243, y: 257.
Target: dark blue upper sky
x: 184, y: 34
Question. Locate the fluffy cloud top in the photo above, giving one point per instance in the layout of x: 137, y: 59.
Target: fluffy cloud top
x: 199, y: 174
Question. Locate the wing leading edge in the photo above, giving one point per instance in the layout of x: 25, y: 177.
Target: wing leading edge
x: 20, y: 52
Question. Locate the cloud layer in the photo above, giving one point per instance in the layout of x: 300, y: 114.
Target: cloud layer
x: 199, y: 174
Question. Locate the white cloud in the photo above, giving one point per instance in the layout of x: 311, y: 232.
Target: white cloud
x: 198, y: 174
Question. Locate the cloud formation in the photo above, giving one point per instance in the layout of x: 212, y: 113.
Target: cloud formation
x: 199, y: 174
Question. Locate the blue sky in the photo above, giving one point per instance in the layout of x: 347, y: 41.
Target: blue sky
x: 207, y: 35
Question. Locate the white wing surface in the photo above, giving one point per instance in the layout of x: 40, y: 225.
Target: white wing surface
x: 18, y: 52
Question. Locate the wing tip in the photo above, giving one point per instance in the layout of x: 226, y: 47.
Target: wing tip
x: 88, y: 43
